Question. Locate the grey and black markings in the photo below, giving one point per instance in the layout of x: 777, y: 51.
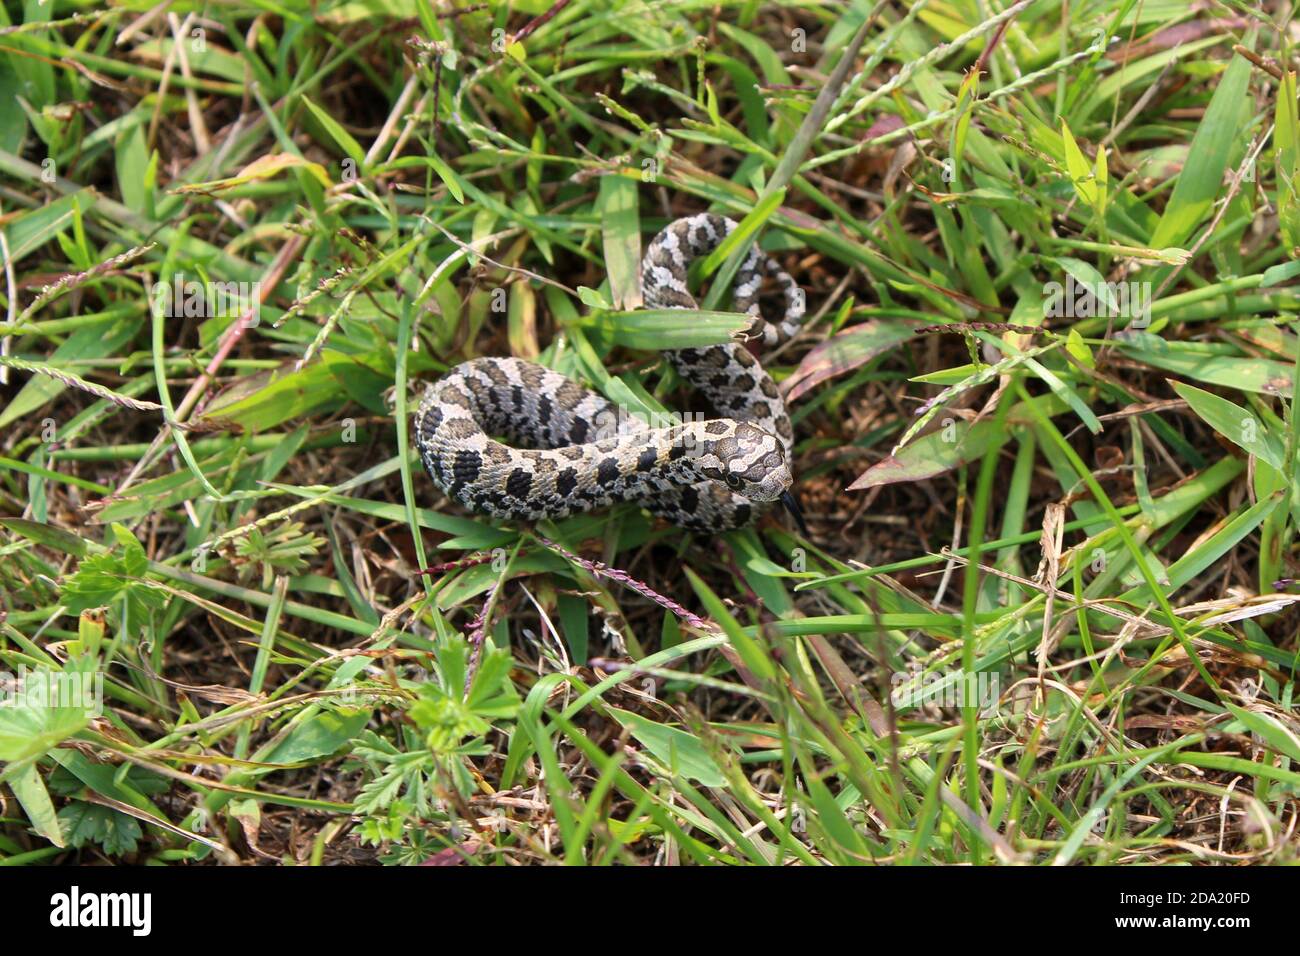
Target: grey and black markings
x: 566, y: 447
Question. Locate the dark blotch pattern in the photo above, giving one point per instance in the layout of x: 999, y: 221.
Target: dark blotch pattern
x: 519, y: 484
x: 467, y: 466
x: 607, y: 472
x: 564, y: 467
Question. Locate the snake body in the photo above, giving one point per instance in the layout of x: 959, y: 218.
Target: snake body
x: 576, y: 452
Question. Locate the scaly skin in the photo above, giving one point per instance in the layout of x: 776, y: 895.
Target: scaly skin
x: 578, y: 455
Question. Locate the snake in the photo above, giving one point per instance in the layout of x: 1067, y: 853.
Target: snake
x: 517, y: 441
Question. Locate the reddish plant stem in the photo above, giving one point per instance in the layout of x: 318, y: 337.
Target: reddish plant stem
x: 456, y: 565
x: 640, y: 587
x: 540, y: 21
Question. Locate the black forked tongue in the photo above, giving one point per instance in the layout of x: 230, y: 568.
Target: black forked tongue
x: 791, y: 505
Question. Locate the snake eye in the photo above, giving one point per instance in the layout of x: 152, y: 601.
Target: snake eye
x: 733, y: 481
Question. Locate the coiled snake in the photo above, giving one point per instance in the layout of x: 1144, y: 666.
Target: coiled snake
x: 577, y: 453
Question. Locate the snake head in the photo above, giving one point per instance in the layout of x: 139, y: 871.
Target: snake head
x: 747, y: 459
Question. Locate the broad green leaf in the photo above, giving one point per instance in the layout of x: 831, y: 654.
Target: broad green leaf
x: 261, y: 401
x: 447, y: 175
x: 133, y: 168
x: 341, y: 137
x: 13, y: 121
x: 319, y: 735
x: 28, y: 787
x: 1076, y: 346
x: 620, y: 229
x: 115, y: 832
x: 1221, y: 133
x: 1286, y: 159
x: 1137, y: 75
x: 47, y: 535
x: 1271, y: 730
x: 1076, y: 164
x: 207, y: 59
x: 1263, y: 376
x: 674, y: 748
x: 593, y: 299
x: 264, y: 167
x: 30, y: 230
x: 1235, y: 423
x: 46, y: 713
x: 654, y: 329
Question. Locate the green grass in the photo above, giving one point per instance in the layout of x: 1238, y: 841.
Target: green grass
x: 308, y: 656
